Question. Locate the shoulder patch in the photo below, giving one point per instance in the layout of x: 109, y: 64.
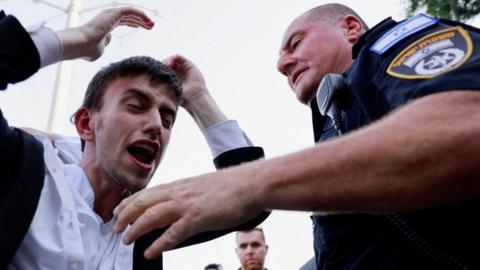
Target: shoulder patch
x: 429, y: 56
x: 401, y: 31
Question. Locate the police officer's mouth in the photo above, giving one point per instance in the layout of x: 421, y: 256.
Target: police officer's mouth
x: 296, y: 75
x: 144, y: 153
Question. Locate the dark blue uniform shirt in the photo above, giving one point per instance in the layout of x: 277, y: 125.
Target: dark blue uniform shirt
x: 441, y: 56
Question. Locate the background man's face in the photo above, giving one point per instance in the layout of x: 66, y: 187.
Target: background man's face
x: 251, y: 250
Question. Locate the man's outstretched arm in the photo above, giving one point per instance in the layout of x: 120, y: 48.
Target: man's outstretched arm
x: 21, y: 57
x: 390, y: 165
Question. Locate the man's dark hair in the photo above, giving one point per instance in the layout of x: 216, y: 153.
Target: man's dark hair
x: 213, y: 266
x: 258, y: 229
x: 129, y: 67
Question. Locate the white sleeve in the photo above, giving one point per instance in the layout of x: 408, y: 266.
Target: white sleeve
x: 68, y: 148
x: 48, y: 43
x: 226, y: 136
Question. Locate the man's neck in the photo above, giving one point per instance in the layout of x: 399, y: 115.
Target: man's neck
x: 107, y: 193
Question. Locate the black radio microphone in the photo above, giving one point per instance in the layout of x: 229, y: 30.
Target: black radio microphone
x: 327, y: 98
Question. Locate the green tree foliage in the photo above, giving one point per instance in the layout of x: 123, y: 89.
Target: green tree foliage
x: 457, y: 10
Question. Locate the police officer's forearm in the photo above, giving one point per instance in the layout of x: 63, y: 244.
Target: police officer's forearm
x: 422, y: 155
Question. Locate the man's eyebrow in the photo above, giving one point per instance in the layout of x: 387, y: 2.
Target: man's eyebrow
x: 137, y: 93
x: 287, y: 43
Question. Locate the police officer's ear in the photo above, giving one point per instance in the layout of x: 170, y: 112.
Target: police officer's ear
x: 352, y: 28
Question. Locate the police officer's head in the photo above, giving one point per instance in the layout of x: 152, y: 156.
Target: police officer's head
x: 316, y: 43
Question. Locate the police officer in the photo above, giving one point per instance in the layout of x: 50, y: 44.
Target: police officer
x: 407, y: 106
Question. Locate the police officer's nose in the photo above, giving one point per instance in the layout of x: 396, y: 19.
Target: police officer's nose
x: 285, y: 64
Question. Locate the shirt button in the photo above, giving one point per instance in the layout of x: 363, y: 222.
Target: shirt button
x: 74, y: 266
x: 82, y: 227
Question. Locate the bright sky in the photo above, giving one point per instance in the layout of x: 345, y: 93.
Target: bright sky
x: 235, y: 44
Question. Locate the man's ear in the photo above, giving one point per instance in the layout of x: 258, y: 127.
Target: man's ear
x: 352, y: 28
x: 84, y: 124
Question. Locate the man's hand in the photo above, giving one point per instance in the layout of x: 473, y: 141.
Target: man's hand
x: 192, y: 80
x: 196, y: 98
x: 88, y: 41
x: 190, y: 206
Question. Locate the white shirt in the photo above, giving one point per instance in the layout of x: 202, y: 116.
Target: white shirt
x: 65, y: 232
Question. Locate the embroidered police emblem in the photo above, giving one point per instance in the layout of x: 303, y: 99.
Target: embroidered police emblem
x: 439, y: 52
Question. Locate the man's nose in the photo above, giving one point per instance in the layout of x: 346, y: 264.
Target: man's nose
x: 285, y: 64
x: 249, y: 249
x: 153, y: 126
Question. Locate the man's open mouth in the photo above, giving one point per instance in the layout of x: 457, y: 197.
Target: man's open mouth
x: 144, y: 152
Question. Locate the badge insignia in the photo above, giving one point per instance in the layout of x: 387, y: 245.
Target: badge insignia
x: 439, y: 52
x: 402, y: 31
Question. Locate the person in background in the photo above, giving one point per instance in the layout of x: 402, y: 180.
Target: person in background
x: 213, y: 266
x: 251, y: 249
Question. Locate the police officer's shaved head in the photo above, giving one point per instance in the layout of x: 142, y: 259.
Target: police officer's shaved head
x: 332, y: 13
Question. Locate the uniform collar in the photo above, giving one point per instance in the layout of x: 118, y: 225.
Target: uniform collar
x: 372, y: 34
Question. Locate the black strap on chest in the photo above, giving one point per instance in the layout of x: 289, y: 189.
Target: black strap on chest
x: 318, y: 121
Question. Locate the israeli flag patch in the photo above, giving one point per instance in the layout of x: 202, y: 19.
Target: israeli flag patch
x: 401, y: 31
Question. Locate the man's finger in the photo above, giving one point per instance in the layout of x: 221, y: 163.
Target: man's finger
x: 174, y: 235
x: 124, y: 203
x: 158, y: 216
x: 128, y: 11
x: 134, y: 207
x: 108, y: 38
x: 134, y: 21
x: 124, y: 214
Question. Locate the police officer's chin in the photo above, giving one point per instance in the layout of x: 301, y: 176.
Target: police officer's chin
x: 305, y: 98
x: 305, y: 94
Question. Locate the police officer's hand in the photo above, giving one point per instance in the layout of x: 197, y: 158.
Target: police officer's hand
x: 196, y: 97
x: 88, y: 41
x: 207, y: 202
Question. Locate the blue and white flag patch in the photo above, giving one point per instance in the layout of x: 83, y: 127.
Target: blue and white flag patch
x: 401, y: 31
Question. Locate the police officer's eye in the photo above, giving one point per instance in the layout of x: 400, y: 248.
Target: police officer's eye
x: 295, y: 43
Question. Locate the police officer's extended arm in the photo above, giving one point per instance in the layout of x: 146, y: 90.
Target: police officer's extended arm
x: 422, y: 155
